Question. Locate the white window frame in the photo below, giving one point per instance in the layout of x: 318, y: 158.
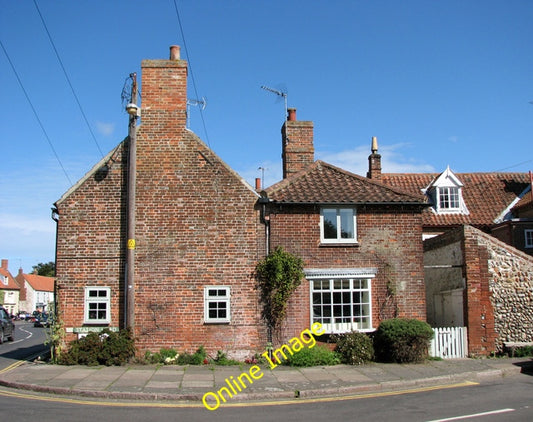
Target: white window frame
x: 528, y: 238
x: 224, y: 299
x: 338, y: 239
x: 99, y: 300
x: 453, y: 195
x: 342, y: 281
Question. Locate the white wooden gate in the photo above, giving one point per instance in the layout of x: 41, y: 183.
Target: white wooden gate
x: 449, y: 343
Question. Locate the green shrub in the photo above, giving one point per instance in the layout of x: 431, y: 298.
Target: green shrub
x: 402, y: 340
x: 104, y: 348
x: 164, y: 356
x: 316, y: 356
x: 223, y: 360
x: 198, y: 358
x: 354, y: 348
x: 521, y: 352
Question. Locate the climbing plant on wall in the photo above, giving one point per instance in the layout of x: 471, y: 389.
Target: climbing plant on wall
x: 278, y: 276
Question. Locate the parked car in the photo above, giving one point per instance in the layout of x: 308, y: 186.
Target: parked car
x: 43, y: 320
x: 7, y: 326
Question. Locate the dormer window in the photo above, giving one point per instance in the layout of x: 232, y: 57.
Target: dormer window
x: 445, y: 193
x: 449, y: 198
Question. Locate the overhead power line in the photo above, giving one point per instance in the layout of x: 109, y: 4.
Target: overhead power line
x: 190, y: 69
x: 68, y: 79
x: 35, y: 112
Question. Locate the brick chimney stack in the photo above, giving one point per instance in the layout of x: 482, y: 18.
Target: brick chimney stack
x: 4, y: 264
x: 374, y: 162
x: 164, y: 93
x: 297, y: 148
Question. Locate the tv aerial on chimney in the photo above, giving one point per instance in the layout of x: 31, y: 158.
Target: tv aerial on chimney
x: 198, y: 103
x: 279, y: 93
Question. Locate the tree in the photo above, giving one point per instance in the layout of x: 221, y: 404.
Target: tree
x: 48, y: 269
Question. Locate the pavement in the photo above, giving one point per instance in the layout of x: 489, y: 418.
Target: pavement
x: 190, y: 383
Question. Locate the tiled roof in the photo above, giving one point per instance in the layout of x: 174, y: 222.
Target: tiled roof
x: 525, y: 202
x: 40, y: 282
x: 11, y: 284
x: 486, y: 195
x: 322, y: 183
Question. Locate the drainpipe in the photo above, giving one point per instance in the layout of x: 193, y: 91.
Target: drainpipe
x: 129, y: 284
x: 265, y: 219
x: 55, y: 217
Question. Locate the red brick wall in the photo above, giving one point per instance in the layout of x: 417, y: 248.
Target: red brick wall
x: 90, y: 251
x: 388, y: 241
x: 196, y: 226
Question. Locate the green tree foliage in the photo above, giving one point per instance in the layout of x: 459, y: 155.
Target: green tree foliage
x: 278, y: 276
x: 48, y: 269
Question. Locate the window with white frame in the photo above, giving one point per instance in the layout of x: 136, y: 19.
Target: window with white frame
x: 528, y: 235
x: 445, y: 193
x: 449, y: 198
x: 97, y: 305
x: 342, y: 304
x: 217, y: 304
x: 338, y: 225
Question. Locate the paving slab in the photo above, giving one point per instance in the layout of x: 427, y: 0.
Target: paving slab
x: 190, y: 383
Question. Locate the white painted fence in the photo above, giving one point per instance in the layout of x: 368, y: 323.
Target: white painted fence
x: 449, y: 343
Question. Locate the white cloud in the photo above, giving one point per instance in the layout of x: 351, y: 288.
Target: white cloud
x: 356, y: 160
x: 26, y: 225
x: 105, y: 129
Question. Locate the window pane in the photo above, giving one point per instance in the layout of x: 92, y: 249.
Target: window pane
x: 449, y: 197
x: 347, y: 229
x: 347, y: 302
x: 330, y: 223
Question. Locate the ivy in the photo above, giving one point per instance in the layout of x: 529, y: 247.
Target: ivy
x: 278, y: 276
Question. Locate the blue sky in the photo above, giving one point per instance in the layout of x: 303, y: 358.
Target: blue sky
x: 438, y: 82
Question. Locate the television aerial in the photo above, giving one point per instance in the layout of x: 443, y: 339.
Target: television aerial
x: 280, y: 93
x: 197, y: 103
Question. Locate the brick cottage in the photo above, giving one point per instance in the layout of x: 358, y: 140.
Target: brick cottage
x: 201, y: 229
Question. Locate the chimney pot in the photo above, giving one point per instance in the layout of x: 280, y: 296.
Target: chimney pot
x: 257, y: 183
x: 174, y: 52
x: 291, y: 114
x: 374, y: 145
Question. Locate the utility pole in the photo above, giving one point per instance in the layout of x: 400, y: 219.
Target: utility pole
x: 129, y: 283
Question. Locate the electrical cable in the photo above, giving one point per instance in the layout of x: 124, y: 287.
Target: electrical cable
x: 35, y: 113
x: 68, y: 79
x: 192, y: 74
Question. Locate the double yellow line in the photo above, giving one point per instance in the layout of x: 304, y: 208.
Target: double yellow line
x: 15, y: 394
x: 12, y: 366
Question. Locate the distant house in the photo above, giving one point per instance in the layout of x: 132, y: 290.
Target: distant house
x: 486, y: 201
x: 517, y: 228
x: 473, y: 279
x: 361, y: 241
x: 9, y: 289
x: 36, y: 293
